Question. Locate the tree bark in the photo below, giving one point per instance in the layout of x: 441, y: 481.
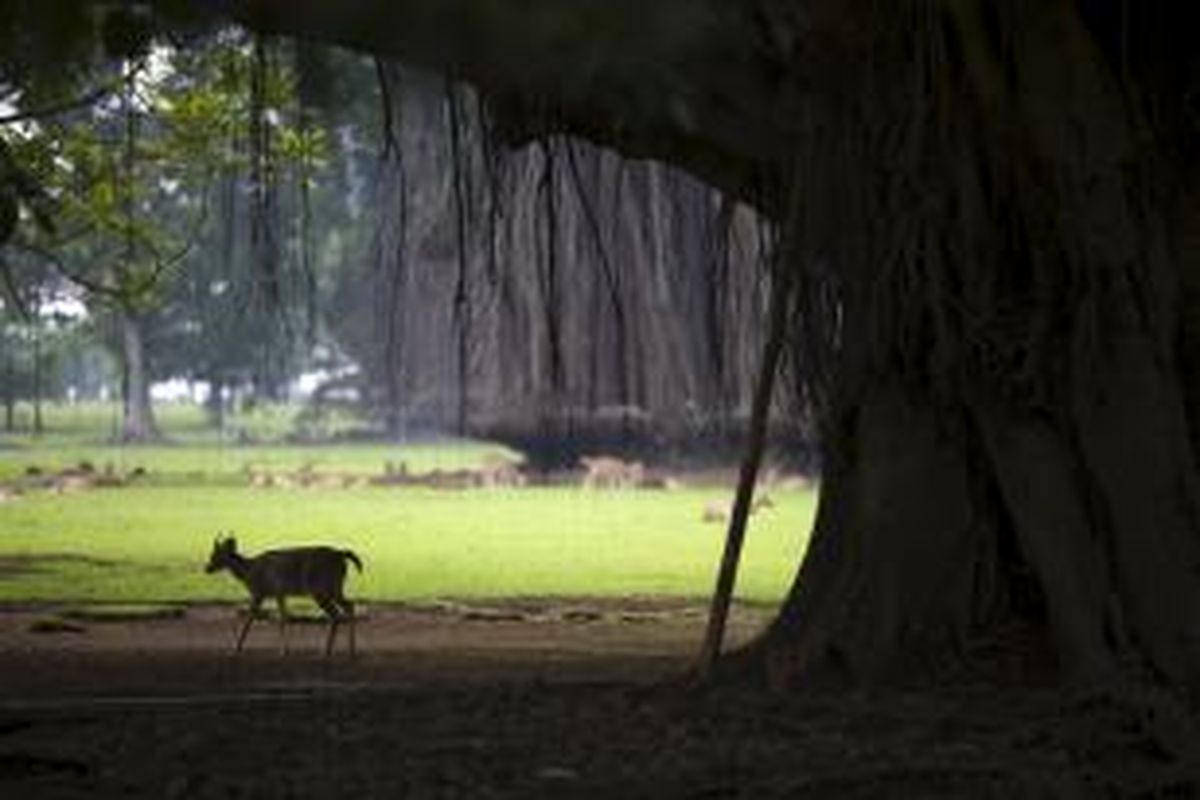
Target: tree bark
x: 10, y: 395
x: 138, y: 423
x: 10, y: 390
x: 214, y: 404
x: 462, y: 314
x: 900, y: 557
x: 1001, y: 419
x: 38, y: 422
x: 906, y: 565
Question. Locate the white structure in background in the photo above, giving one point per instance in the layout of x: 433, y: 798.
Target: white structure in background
x: 301, y: 388
x: 309, y: 383
x: 177, y: 390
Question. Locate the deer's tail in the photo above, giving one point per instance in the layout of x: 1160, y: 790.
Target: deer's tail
x: 353, y: 559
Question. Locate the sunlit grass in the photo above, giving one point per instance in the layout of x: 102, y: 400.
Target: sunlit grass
x: 194, y: 452
x: 94, y: 422
x: 227, y: 464
x: 149, y: 544
x: 146, y: 543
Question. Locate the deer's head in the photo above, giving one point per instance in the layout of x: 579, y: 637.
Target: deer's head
x: 223, y: 553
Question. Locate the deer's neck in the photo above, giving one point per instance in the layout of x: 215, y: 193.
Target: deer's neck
x: 239, y: 565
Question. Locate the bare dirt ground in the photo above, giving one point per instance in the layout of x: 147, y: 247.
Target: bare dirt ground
x: 528, y: 700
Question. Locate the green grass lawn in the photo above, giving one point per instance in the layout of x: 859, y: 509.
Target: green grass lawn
x: 147, y: 543
x: 194, y: 453
x: 213, y: 463
x: 184, y: 423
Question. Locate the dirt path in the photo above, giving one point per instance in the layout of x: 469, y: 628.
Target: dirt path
x: 45, y: 655
x: 526, y: 700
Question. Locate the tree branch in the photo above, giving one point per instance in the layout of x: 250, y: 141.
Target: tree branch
x: 73, y: 104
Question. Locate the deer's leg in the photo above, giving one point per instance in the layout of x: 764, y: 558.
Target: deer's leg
x: 283, y: 616
x: 330, y: 607
x: 348, y: 613
x: 251, y: 613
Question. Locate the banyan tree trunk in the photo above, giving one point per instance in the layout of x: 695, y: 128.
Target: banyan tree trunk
x: 910, y: 557
x: 1009, y: 415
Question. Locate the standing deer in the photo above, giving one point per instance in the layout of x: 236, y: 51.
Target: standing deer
x: 718, y: 511
x: 609, y: 472
x: 318, y: 572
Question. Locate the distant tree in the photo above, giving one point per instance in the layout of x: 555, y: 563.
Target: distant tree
x: 242, y: 309
x: 16, y: 369
x: 132, y: 180
x: 36, y: 339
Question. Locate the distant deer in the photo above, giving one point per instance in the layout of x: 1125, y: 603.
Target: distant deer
x: 318, y: 572
x: 609, y: 472
x: 498, y: 472
x: 717, y: 511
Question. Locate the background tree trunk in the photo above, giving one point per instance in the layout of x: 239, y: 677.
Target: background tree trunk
x: 214, y: 404
x: 10, y: 393
x: 138, y: 423
x: 36, y: 335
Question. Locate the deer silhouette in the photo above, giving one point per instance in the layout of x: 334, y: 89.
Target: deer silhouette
x: 318, y: 572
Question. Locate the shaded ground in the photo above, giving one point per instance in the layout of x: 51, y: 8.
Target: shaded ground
x: 526, y: 700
